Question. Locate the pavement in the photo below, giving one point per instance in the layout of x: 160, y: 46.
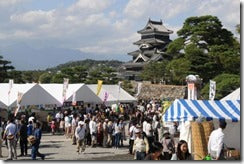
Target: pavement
x: 57, y: 147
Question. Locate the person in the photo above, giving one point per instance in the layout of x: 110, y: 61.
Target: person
x: 1, y: 139
x: 80, y: 136
x: 132, y: 136
x: 93, y: 131
x: 88, y: 134
x: 49, y: 121
x: 53, y: 126
x: 105, y: 133
x: 61, y: 126
x: 149, y: 133
x: 11, y: 134
x: 117, y: 131
x: 74, y: 125
x: 141, y: 146
x: 100, y: 133
x: 35, y: 147
x: 168, y: 145
x: 30, y: 129
x: 182, y: 152
x: 110, y: 133
x: 23, y: 138
x: 156, y: 153
x: 215, y: 143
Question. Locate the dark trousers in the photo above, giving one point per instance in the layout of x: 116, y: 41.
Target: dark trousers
x: 117, y: 139
x: 23, y: 146
x: 88, y: 139
x: 131, y: 146
x: 35, y: 152
x: 140, y: 155
x: 150, y: 141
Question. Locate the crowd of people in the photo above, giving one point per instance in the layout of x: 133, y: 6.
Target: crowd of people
x: 101, y: 126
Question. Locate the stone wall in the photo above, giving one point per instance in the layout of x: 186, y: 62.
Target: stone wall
x: 159, y: 91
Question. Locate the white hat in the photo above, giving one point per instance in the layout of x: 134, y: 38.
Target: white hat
x: 81, y: 123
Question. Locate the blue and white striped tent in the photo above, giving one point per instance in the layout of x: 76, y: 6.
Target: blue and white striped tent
x: 186, y: 110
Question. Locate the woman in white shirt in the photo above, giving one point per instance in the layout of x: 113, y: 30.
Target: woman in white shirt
x: 118, y: 130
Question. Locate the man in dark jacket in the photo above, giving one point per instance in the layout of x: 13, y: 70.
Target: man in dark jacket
x: 35, y: 146
x: 23, y: 138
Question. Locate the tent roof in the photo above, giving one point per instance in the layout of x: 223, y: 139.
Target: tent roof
x: 4, y: 89
x: 235, y: 95
x: 113, y: 93
x: 183, y: 110
x: 83, y: 93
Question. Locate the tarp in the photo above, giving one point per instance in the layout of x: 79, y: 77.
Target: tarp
x: 235, y: 95
x: 115, y: 94
x: 186, y: 110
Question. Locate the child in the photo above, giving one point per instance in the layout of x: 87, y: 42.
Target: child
x: 61, y: 125
x: 53, y: 126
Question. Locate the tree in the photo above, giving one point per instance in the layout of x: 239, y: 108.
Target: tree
x: 210, y: 48
x: 16, y: 76
x: 45, y: 77
x: 225, y: 84
x: 238, y: 28
x: 154, y: 71
x: 4, y: 68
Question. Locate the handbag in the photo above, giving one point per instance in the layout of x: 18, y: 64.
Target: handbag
x: 31, y: 139
x: 10, y: 137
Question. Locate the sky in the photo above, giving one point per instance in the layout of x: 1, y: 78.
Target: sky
x: 38, y: 34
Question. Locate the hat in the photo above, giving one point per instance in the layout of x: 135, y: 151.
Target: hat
x: 137, y: 130
x: 81, y: 123
x: 106, y: 119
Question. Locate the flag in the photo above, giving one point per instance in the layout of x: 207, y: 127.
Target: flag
x: 191, y: 91
x: 119, y: 90
x: 65, y: 87
x: 105, y: 97
x: 74, y: 99
x: 11, y: 82
x: 212, y: 89
x: 99, y: 86
x: 19, y: 99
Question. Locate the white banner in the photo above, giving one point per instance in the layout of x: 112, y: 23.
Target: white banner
x: 212, y: 89
x: 11, y: 82
x: 74, y: 99
x: 65, y: 87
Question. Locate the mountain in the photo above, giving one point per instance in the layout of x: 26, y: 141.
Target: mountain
x: 26, y: 57
x: 88, y: 63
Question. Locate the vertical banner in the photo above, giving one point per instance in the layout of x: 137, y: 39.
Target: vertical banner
x: 65, y: 87
x: 212, y: 89
x: 74, y: 99
x: 105, y: 97
x: 11, y: 82
x: 191, y: 91
x: 19, y: 99
x: 119, y: 90
x: 99, y: 86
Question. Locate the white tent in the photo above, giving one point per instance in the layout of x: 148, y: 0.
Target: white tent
x: 235, y: 95
x: 115, y: 94
x: 83, y: 93
x: 33, y: 94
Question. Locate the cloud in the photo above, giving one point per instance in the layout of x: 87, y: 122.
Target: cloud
x: 89, y: 6
x: 7, y: 3
x: 33, y: 17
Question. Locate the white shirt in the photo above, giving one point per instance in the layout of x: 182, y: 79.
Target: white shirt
x: 132, y: 131
x: 215, y: 142
x: 11, y: 129
x: 93, y: 127
x: 80, y: 132
x: 144, y: 126
x: 149, y: 130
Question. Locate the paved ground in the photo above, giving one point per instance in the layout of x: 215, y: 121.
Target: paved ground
x: 58, y: 148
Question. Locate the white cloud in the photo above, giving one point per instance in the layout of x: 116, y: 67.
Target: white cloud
x: 89, y: 6
x: 7, y: 3
x: 33, y: 17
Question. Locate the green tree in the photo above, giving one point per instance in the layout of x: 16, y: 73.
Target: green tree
x: 154, y: 71
x: 59, y: 78
x: 225, y: 84
x: 45, y: 77
x: 4, y: 68
x: 16, y: 76
x: 210, y: 48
